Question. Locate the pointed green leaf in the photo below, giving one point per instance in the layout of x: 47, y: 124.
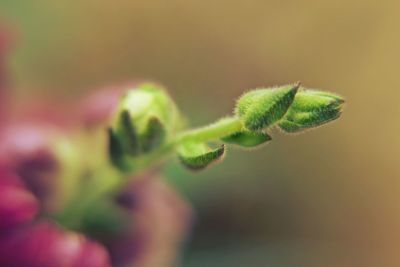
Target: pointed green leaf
x: 197, y: 156
x: 261, y: 108
x: 247, y: 139
x: 128, y: 134
x: 115, y: 151
x: 310, y: 109
x: 154, y: 135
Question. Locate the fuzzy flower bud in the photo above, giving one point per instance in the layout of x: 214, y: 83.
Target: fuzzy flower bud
x: 146, y: 118
x: 261, y: 108
x: 311, y: 108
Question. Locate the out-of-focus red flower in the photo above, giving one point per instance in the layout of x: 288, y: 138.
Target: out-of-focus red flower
x: 26, y: 148
x: 158, y: 217
x: 17, y: 205
x: 47, y: 245
x: 24, y: 242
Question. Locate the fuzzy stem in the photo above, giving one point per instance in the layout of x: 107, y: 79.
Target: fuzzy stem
x: 219, y: 129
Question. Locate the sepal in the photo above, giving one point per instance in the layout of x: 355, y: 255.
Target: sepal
x: 115, y: 150
x: 247, y: 139
x: 154, y: 135
x: 310, y: 109
x: 127, y: 134
x: 197, y: 156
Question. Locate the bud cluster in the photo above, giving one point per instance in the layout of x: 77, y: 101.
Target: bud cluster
x: 145, y: 119
x: 147, y: 123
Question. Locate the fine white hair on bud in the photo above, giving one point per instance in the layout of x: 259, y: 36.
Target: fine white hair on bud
x: 260, y: 108
x: 311, y: 108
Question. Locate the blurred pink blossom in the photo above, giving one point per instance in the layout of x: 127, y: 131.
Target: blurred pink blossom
x: 17, y: 205
x: 157, y: 217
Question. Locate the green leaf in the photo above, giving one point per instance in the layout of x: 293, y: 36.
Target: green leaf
x: 310, y: 109
x: 247, y: 139
x: 261, y: 108
x: 154, y: 135
x: 128, y: 134
x: 115, y: 150
x: 197, y: 156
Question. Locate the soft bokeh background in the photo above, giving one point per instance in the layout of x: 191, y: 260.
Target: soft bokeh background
x: 330, y: 197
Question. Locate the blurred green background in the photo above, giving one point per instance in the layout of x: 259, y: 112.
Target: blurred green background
x: 330, y: 197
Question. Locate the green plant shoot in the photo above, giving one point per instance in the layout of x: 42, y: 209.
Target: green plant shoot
x: 147, y: 126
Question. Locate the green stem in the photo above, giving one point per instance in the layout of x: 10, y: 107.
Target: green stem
x: 219, y: 129
x: 216, y: 130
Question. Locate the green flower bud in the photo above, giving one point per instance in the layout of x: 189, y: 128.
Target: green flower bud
x: 149, y: 101
x: 311, y: 108
x: 261, y: 108
x: 197, y: 156
x: 145, y: 119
